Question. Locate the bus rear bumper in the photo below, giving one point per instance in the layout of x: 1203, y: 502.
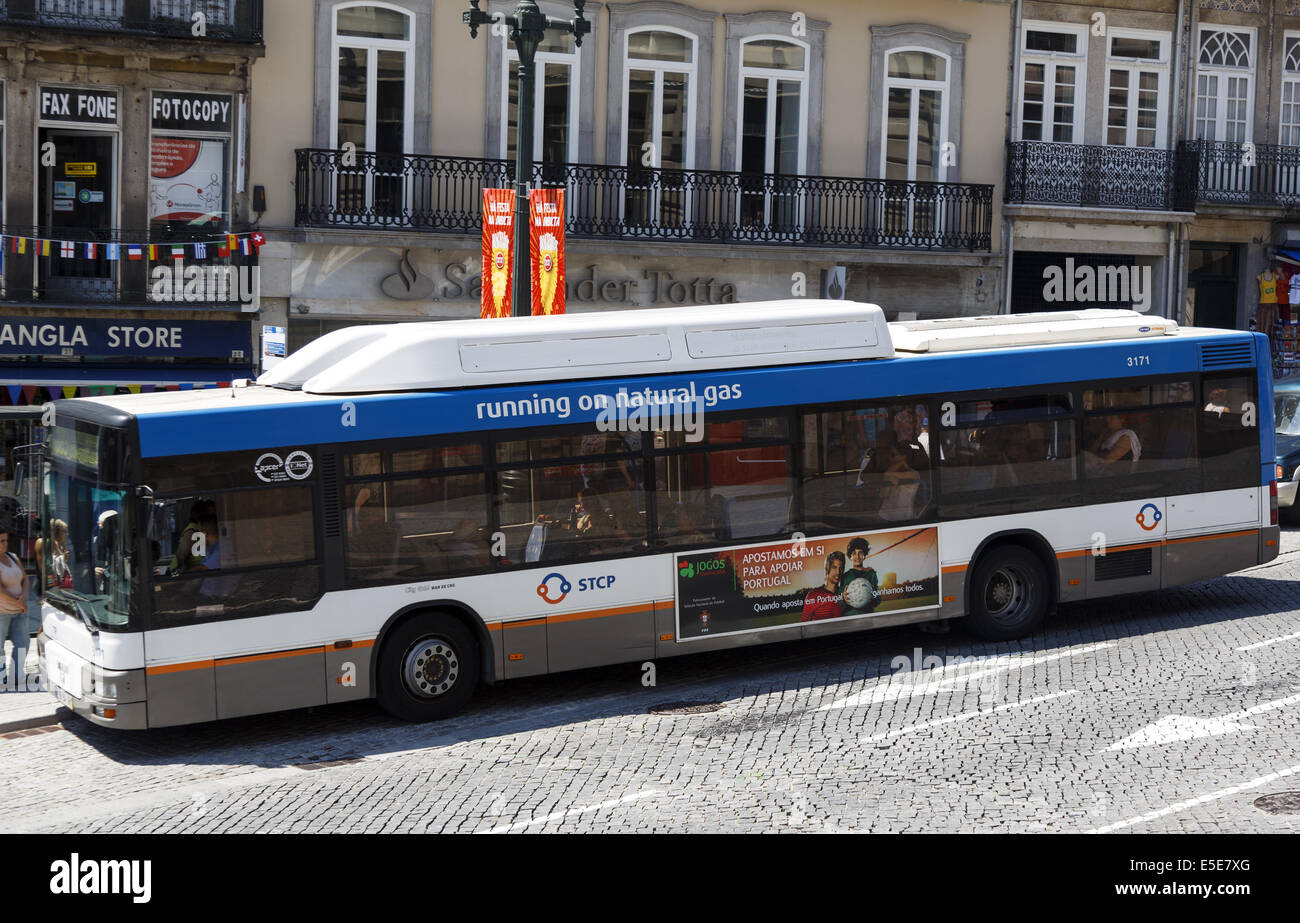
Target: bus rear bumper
x: 1270, y: 538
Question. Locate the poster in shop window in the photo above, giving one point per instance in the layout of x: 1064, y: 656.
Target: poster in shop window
x: 857, y: 575
x: 187, y: 179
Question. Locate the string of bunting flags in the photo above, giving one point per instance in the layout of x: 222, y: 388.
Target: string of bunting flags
x: 245, y: 244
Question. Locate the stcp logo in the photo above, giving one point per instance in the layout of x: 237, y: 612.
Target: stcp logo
x: 562, y: 585
x: 556, y: 582
x: 1149, y: 516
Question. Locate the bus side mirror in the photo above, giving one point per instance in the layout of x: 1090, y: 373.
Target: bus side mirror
x: 146, y: 510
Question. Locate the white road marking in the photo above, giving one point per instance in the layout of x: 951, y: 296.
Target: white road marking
x: 573, y: 812
x: 875, y: 738
x: 1251, y: 647
x: 949, y: 677
x: 1199, y: 800
x: 1173, y: 728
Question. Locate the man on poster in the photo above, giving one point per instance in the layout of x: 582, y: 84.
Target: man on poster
x: 825, y: 602
x: 859, y: 584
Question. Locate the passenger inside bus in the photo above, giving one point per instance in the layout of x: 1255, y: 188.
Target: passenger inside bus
x: 1116, y: 450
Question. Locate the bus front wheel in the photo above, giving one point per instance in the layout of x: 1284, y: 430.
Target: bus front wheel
x: 1008, y: 594
x: 428, y: 668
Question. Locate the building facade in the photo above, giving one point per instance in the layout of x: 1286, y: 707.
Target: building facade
x: 1155, y: 136
x: 128, y: 257
x: 710, y: 153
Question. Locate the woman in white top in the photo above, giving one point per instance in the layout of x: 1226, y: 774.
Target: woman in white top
x: 13, y: 610
x: 1116, y: 451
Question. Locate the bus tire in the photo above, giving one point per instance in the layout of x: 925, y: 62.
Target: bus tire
x: 1009, y: 594
x: 428, y: 668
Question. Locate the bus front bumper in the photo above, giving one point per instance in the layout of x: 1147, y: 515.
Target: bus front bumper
x: 93, y: 693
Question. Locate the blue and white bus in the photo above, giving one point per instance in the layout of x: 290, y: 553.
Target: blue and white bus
x: 407, y: 511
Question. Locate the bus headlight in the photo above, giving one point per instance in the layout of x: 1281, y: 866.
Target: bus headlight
x: 105, y: 688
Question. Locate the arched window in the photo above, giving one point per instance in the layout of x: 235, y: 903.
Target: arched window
x: 555, y: 100
x: 1224, y: 68
x: 773, y: 127
x: 1289, y: 130
x: 658, y: 87
x: 916, y: 117
x: 658, y: 124
x: 372, y: 78
x: 371, y: 106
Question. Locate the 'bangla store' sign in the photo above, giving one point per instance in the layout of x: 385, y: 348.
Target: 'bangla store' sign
x: 656, y: 286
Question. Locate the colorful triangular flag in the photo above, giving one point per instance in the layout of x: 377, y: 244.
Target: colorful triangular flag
x: 200, y: 251
x: 178, y: 251
x: 67, y: 249
x: 153, y: 251
x: 111, y: 252
x: 134, y: 252
x: 92, y: 250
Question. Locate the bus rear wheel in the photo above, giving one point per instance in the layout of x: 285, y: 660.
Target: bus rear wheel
x: 1008, y: 594
x: 428, y: 668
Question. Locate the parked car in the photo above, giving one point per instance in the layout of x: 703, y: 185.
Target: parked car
x: 1286, y: 416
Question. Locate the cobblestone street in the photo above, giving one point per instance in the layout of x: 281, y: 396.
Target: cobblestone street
x: 1157, y: 713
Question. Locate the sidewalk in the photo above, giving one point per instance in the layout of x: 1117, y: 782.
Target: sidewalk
x: 22, y: 710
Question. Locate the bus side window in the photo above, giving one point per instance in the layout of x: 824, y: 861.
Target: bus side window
x: 1228, y: 432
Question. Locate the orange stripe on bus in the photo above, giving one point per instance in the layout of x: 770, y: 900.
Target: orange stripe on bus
x: 599, y: 613
x: 953, y: 568
x: 276, y: 655
x: 526, y: 623
x: 1206, y: 538
x: 178, y: 667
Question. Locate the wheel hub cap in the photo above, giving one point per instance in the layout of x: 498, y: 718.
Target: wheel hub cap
x: 430, y: 667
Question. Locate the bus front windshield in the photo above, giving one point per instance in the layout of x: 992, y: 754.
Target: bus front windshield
x: 86, y: 555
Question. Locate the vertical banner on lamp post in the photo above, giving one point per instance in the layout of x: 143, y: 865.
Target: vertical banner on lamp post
x: 498, y: 251
x: 546, y: 249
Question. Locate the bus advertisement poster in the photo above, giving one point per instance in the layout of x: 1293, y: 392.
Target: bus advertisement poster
x: 772, y: 585
x: 498, y: 251
x: 546, y: 249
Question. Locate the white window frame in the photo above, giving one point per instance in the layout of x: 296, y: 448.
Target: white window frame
x: 540, y: 60
x: 1134, y: 66
x: 772, y: 74
x: 1223, y: 74
x: 1291, y: 77
x: 945, y: 100
x: 1050, y: 60
x: 659, y: 67
x: 406, y: 45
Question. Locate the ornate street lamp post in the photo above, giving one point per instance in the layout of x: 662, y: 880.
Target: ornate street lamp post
x: 528, y: 27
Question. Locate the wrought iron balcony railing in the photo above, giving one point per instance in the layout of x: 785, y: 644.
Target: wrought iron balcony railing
x: 1232, y: 173
x: 444, y: 195
x: 1100, y: 176
x: 228, y: 20
x: 115, y: 267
